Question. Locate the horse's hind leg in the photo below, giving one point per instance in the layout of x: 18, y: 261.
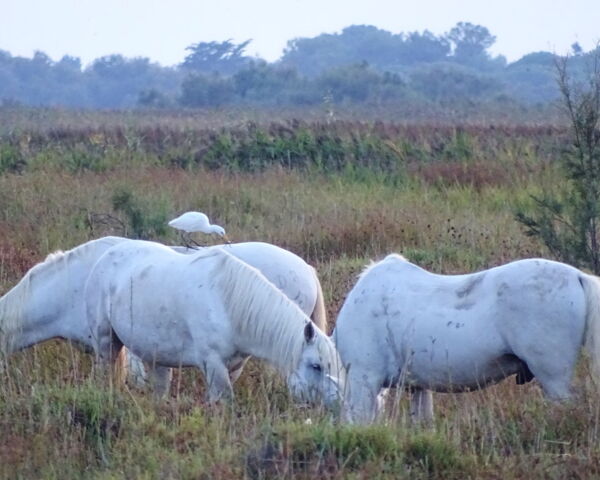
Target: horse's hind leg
x: 136, y: 370
x: 554, y: 371
x: 159, y: 379
x: 421, y: 406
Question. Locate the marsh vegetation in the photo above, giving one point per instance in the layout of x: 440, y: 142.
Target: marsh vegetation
x: 337, y: 193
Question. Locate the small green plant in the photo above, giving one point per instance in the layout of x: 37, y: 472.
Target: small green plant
x: 322, y: 448
x: 11, y: 160
x: 435, y: 455
x: 141, y: 223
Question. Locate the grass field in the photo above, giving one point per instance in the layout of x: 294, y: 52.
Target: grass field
x: 337, y: 194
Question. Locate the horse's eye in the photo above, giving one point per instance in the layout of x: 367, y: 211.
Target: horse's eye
x: 316, y: 367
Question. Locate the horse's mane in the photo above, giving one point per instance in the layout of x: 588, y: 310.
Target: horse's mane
x: 396, y: 257
x: 13, y: 302
x: 260, y: 311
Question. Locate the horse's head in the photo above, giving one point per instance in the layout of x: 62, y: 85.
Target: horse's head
x: 319, y: 375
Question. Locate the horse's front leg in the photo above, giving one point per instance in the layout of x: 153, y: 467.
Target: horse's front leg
x: 362, y: 403
x: 217, y: 380
x: 421, y: 406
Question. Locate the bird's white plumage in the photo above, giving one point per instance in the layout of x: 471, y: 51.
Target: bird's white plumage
x: 196, y: 222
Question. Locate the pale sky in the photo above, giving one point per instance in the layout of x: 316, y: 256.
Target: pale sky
x: 161, y: 29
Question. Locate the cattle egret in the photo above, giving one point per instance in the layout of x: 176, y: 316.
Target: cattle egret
x: 191, y: 222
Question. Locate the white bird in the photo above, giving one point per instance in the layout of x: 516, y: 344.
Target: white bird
x: 191, y: 222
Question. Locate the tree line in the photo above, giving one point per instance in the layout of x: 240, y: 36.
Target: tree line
x: 361, y: 64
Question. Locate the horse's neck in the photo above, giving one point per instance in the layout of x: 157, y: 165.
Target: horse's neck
x: 46, y: 303
x: 269, y: 327
x: 273, y: 343
x: 19, y: 326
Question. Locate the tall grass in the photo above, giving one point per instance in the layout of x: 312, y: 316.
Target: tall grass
x: 450, y: 209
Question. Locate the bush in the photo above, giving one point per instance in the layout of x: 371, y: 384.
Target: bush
x: 568, y: 220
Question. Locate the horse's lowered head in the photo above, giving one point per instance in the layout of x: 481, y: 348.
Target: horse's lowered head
x: 319, y: 375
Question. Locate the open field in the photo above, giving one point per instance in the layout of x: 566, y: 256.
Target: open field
x: 338, y: 194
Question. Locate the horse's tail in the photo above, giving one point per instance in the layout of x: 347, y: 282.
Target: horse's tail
x: 319, y: 314
x: 591, y: 287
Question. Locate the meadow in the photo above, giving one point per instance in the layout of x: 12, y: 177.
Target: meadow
x: 339, y: 193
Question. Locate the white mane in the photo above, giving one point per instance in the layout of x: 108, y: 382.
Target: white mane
x: 53, y: 257
x: 391, y: 257
x: 260, y: 311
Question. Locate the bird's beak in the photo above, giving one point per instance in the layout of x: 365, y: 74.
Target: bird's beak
x: 226, y: 238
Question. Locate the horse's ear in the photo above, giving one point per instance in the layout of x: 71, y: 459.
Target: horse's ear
x: 309, y: 332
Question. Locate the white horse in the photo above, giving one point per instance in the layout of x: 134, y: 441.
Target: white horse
x: 287, y: 271
x: 48, y: 301
x: 403, y: 326
x: 209, y: 310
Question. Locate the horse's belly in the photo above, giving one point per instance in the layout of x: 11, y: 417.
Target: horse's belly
x: 464, y: 374
x: 172, y: 350
x: 162, y: 339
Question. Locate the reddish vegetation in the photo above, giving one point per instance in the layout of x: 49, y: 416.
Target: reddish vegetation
x: 16, y: 260
x: 477, y: 175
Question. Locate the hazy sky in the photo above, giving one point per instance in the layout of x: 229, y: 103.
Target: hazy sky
x: 161, y: 29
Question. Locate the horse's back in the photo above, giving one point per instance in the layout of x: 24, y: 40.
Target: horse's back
x: 286, y: 270
x: 520, y: 286
x: 155, y: 299
x: 144, y: 263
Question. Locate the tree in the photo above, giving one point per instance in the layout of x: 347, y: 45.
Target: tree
x: 532, y: 79
x: 263, y: 83
x: 381, y: 49
x: 568, y: 221
x: 311, y: 56
x: 352, y: 83
x: 470, y: 42
x: 425, y: 48
x: 444, y: 82
x: 220, y: 57
x: 153, y: 98
x: 576, y: 49
x: 206, y: 91
x: 114, y: 81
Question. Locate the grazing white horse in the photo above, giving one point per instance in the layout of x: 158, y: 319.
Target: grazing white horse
x: 209, y: 310
x: 48, y: 302
x: 403, y: 326
x: 287, y: 271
